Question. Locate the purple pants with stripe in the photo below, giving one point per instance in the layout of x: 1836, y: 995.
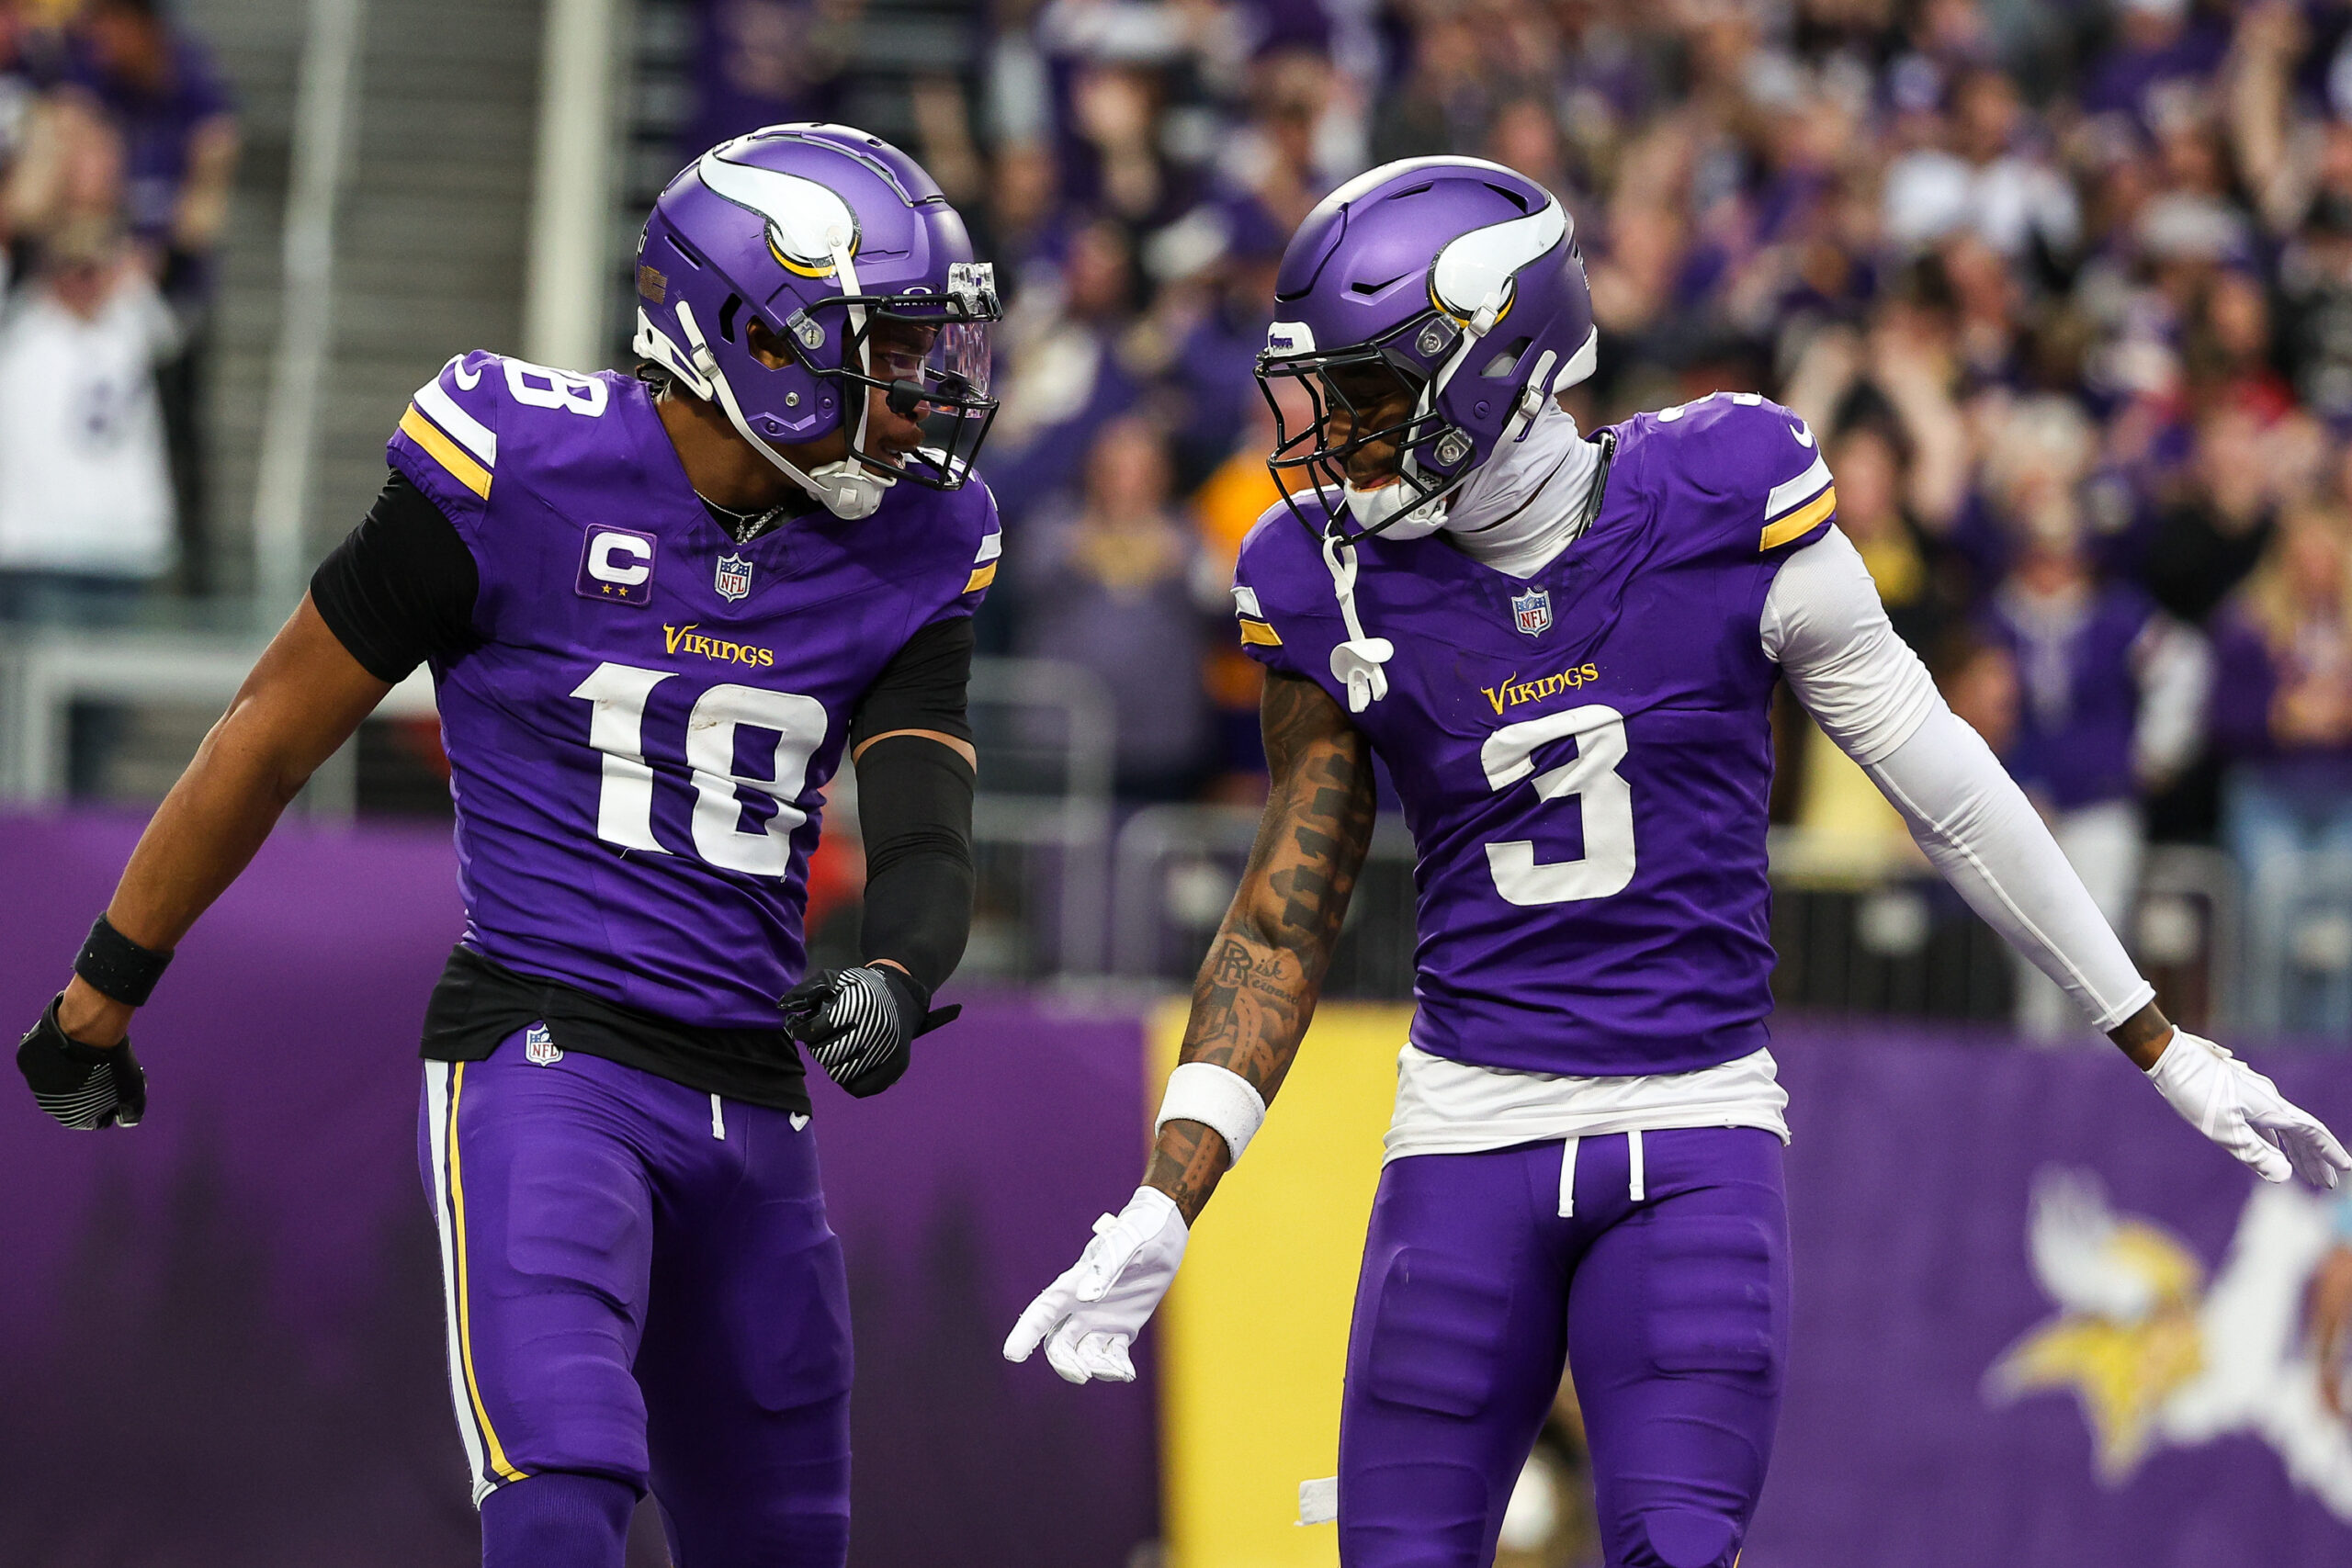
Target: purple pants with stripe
x: 641, y: 1285
x: 1672, y: 1308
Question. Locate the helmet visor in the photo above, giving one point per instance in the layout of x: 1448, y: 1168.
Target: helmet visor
x: 933, y: 362
x: 961, y: 357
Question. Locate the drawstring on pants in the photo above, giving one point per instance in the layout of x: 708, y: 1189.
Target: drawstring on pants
x: 1637, y: 1179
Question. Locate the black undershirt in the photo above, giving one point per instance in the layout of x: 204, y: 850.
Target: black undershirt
x: 400, y: 589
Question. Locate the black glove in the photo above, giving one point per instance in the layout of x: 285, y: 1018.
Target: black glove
x: 859, y: 1022
x: 85, y: 1087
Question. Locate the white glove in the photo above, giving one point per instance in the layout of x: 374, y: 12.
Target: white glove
x: 2244, y: 1111
x: 1087, y: 1318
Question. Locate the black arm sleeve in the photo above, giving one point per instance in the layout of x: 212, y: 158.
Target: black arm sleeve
x: 401, y: 587
x: 915, y: 806
x: 923, y: 687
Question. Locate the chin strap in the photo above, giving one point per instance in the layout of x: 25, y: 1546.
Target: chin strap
x: 846, y: 488
x: 1532, y: 398
x: 853, y: 471
x: 1358, y: 660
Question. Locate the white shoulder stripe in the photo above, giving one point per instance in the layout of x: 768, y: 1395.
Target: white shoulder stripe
x: 1245, y: 600
x: 991, y: 548
x: 1804, y: 487
x: 462, y: 427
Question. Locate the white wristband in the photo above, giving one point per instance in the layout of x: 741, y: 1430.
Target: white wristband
x: 1217, y: 1098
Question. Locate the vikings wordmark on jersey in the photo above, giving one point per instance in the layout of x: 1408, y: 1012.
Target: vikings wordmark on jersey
x: 1584, y: 758
x: 638, y: 793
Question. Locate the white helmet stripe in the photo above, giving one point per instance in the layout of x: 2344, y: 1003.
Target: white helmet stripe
x: 1478, y: 265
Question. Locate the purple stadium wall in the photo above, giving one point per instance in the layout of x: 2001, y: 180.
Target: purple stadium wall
x: 1911, y: 1184
x: 219, y: 1334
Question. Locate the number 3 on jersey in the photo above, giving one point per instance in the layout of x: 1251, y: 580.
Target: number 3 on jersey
x: 1604, y: 800
x: 624, y: 798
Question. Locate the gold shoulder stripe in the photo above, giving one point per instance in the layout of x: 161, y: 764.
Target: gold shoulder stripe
x: 445, y: 452
x: 1259, y: 633
x: 981, y: 577
x: 1799, y: 522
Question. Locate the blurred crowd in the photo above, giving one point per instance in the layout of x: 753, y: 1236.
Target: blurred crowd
x: 2066, y: 289
x: 117, y: 143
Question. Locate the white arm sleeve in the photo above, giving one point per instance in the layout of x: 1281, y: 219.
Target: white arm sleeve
x: 1823, y: 623
x: 1824, y: 627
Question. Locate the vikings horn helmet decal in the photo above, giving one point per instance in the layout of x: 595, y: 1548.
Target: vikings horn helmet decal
x: 1480, y: 266
x: 806, y: 220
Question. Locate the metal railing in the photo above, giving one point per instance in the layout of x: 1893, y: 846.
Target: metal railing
x: 1880, y: 936
x: 1176, y: 868
x: 1040, y: 827
x: 44, y: 675
x: 1070, y: 888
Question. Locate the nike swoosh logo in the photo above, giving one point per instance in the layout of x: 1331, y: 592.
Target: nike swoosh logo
x: 1804, y: 436
x: 469, y: 379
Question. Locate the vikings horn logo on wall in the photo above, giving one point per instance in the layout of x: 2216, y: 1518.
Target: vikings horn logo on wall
x: 2159, y: 1351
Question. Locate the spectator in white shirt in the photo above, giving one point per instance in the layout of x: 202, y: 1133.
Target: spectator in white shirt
x: 86, y: 495
x: 1991, y: 182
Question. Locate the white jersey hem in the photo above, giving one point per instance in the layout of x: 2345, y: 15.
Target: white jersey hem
x: 1445, y: 1107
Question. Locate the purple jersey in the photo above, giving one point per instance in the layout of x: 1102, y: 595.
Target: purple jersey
x: 639, y: 745
x: 1584, y: 757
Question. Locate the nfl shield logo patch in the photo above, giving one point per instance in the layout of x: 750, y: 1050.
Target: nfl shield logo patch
x: 734, y: 578
x: 539, y: 1048
x: 1532, y: 611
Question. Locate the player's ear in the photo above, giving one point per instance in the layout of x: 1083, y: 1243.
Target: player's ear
x: 770, y: 349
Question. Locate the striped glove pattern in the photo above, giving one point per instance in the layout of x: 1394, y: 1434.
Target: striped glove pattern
x: 859, y: 1022
x: 83, y: 1086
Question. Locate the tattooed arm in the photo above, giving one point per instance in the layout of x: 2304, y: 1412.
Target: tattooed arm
x: 1257, y: 988
x: 1250, y: 1006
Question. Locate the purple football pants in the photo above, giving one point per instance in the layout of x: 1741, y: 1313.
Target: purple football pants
x: 1671, y: 1307
x: 641, y: 1286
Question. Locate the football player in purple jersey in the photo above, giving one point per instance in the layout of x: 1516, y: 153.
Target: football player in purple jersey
x: 658, y: 612
x: 1563, y: 647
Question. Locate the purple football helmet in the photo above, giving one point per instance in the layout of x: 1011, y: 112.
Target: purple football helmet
x: 823, y: 234
x: 1455, y: 278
